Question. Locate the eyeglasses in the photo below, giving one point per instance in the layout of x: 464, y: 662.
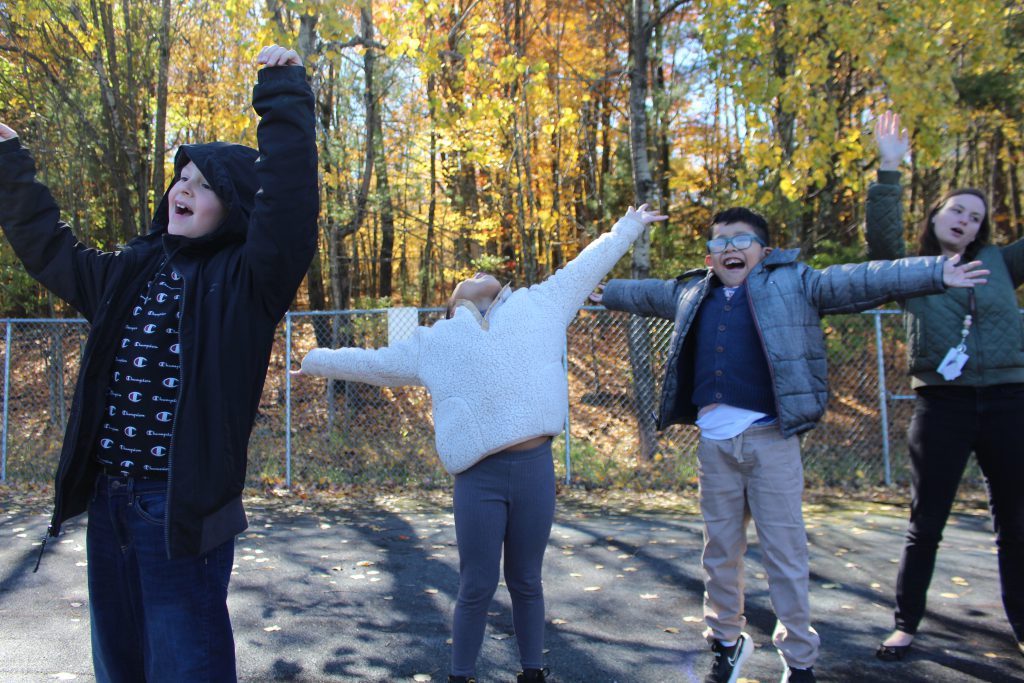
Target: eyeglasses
x: 741, y: 242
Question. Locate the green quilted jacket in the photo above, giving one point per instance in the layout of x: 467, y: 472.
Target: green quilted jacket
x: 995, y: 344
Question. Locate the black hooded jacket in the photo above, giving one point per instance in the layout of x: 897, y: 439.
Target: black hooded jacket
x: 239, y: 281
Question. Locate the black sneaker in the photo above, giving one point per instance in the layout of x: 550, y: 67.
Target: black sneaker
x: 798, y: 675
x: 533, y: 675
x: 729, y: 660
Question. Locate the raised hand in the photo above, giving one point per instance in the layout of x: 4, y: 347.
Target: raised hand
x: 893, y: 142
x: 598, y: 296
x: 7, y: 133
x: 644, y: 214
x: 275, y: 55
x: 966, y: 275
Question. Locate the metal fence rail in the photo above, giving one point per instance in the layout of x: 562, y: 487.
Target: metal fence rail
x: 323, y: 432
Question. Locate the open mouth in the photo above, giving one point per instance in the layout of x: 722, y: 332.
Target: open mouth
x: 958, y: 232
x: 733, y: 263
x: 182, y: 210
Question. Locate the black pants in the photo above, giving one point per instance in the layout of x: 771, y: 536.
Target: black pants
x: 948, y: 424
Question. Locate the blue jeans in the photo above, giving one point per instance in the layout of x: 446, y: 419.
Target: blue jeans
x: 153, y: 619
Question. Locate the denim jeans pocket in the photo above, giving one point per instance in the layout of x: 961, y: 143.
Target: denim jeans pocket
x: 152, y: 507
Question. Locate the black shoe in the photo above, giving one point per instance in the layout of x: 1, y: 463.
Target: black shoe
x: 892, y: 653
x: 533, y: 675
x: 729, y: 660
x: 798, y: 675
x: 461, y: 679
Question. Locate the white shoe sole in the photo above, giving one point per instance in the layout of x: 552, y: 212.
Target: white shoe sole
x: 744, y: 654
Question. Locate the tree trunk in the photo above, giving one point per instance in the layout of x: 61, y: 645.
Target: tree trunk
x: 160, y: 133
x: 999, y: 182
x: 120, y: 169
x: 643, y: 186
x: 427, y: 259
x: 784, y: 120
x: 662, y: 144
x: 555, y: 83
x: 387, y: 216
x: 341, y: 276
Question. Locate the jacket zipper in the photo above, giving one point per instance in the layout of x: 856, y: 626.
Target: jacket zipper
x: 177, y: 408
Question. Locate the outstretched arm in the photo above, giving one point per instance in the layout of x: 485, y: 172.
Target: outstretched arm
x: 651, y: 297
x: 849, y: 288
x: 568, y: 288
x: 391, y: 366
x: 45, y: 244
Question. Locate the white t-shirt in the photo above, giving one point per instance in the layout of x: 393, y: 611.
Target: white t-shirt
x: 725, y: 421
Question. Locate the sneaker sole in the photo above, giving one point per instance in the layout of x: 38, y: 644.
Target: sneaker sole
x: 744, y: 655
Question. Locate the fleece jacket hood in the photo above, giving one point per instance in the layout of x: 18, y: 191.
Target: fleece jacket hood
x: 231, y: 171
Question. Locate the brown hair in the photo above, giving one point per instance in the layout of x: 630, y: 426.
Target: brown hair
x: 928, y: 244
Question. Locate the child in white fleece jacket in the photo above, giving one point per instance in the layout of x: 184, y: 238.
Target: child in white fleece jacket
x: 495, y: 375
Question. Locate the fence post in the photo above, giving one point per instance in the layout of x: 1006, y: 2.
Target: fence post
x: 883, y: 403
x: 288, y: 399
x: 7, y: 395
x: 565, y: 367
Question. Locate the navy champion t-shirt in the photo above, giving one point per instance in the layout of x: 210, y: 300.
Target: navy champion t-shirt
x: 142, y: 392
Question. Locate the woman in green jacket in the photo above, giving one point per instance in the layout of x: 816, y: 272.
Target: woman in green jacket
x: 966, y: 353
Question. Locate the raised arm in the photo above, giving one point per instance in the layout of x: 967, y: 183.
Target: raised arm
x: 884, y: 208
x: 45, y: 244
x: 282, y: 234
x: 391, y: 366
x: 568, y: 288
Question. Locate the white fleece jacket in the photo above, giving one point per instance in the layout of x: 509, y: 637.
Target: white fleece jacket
x: 495, y: 384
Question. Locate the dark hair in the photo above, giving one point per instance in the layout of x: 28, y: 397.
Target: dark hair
x: 928, y: 244
x: 738, y: 214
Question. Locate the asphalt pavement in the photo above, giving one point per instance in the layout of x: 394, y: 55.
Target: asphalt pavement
x: 332, y: 588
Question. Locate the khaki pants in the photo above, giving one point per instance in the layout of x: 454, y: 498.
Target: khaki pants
x: 757, y: 474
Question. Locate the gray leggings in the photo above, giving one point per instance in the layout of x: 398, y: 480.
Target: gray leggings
x: 505, y: 499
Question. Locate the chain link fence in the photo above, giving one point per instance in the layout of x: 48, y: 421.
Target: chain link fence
x: 324, y: 432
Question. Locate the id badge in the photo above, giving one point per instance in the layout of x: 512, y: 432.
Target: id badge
x: 953, y: 364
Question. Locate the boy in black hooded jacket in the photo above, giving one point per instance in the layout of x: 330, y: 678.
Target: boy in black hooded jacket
x: 182, y: 325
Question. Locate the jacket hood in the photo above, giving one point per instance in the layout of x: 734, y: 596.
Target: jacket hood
x: 231, y: 171
x: 780, y: 256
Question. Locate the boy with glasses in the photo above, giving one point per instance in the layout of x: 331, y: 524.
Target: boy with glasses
x: 747, y: 365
